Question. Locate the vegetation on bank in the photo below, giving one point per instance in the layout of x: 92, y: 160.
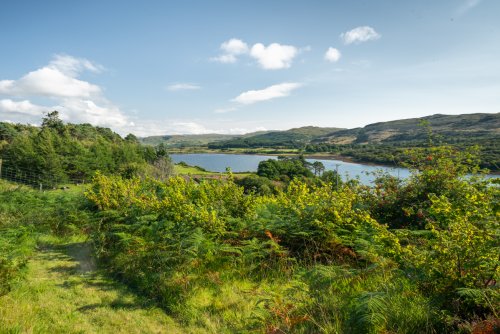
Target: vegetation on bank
x: 290, y: 250
x: 419, y: 256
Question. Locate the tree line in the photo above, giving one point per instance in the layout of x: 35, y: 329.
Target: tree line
x: 56, y: 153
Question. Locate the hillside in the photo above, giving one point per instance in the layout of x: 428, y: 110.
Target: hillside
x: 465, y: 126
x: 288, y: 138
x: 179, y: 141
x: 185, y: 140
x: 382, y: 142
x: 450, y: 127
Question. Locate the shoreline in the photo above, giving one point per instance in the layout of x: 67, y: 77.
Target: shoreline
x: 317, y: 156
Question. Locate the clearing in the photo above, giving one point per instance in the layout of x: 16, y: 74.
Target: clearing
x: 64, y: 292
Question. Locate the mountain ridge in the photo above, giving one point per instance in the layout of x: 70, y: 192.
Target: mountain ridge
x: 476, y: 125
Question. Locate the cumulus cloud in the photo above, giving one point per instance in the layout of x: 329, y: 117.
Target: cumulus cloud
x: 101, y: 113
x: 76, y: 100
x: 49, y: 82
x: 332, y: 55
x: 234, y: 46
x: 231, y: 48
x: 269, y: 93
x: 275, y: 56
x: 359, y: 35
x: 24, y: 107
x: 272, y: 57
x: 182, y: 86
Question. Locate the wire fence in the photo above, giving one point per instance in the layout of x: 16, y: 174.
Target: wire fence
x: 42, y: 180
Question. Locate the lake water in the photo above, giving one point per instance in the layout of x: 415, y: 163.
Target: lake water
x: 249, y: 163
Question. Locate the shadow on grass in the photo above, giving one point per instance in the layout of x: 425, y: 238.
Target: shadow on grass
x: 78, y: 252
x: 117, y: 304
x: 76, y: 264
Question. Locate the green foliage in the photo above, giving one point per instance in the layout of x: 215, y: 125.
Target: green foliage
x: 320, y: 224
x: 461, y: 251
x: 184, y: 243
x: 23, y: 214
x: 285, y: 168
x: 289, y: 138
x: 448, y: 226
x: 52, y: 121
x: 437, y: 170
x: 16, y: 245
x: 377, y: 299
x: 332, y: 177
x: 258, y: 185
x: 57, y: 153
x: 413, y: 256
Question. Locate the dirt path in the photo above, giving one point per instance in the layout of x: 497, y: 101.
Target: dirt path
x: 63, y: 292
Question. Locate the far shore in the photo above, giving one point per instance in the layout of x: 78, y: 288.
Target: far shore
x: 318, y: 156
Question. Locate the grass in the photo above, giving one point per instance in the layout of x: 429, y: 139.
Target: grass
x: 64, y: 292
x: 193, y: 170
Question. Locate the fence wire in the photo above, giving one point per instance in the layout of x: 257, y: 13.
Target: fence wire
x: 38, y: 179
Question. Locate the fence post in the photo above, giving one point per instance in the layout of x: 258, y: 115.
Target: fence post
x: 41, y: 188
x: 0, y: 168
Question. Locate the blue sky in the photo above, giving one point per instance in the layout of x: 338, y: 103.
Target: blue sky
x: 168, y: 67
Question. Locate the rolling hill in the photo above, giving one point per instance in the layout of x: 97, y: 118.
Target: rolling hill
x: 467, y: 126
x: 377, y: 143
x: 449, y: 127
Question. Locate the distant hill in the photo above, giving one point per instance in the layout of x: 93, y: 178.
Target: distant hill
x: 192, y: 140
x: 288, y: 138
x: 454, y: 127
x: 379, y: 142
x: 467, y: 126
x: 185, y: 140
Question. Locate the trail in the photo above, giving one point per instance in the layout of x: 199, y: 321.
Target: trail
x: 64, y: 292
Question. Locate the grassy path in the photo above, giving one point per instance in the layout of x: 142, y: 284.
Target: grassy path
x: 63, y: 292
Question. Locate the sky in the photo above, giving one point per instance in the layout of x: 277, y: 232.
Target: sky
x: 192, y: 67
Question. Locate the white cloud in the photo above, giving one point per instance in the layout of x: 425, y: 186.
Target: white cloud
x: 234, y: 46
x: 275, y: 56
x: 272, y: 57
x: 77, y: 100
x: 269, y: 93
x: 88, y: 111
x: 24, y: 107
x: 231, y: 48
x: 359, y: 35
x: 57, y: 79
x: 225, y: 59
x: 143, y: 128
x: 50, y: 82
x: 72, y: 66
x: 332, y: 55
x: 183, y: 86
